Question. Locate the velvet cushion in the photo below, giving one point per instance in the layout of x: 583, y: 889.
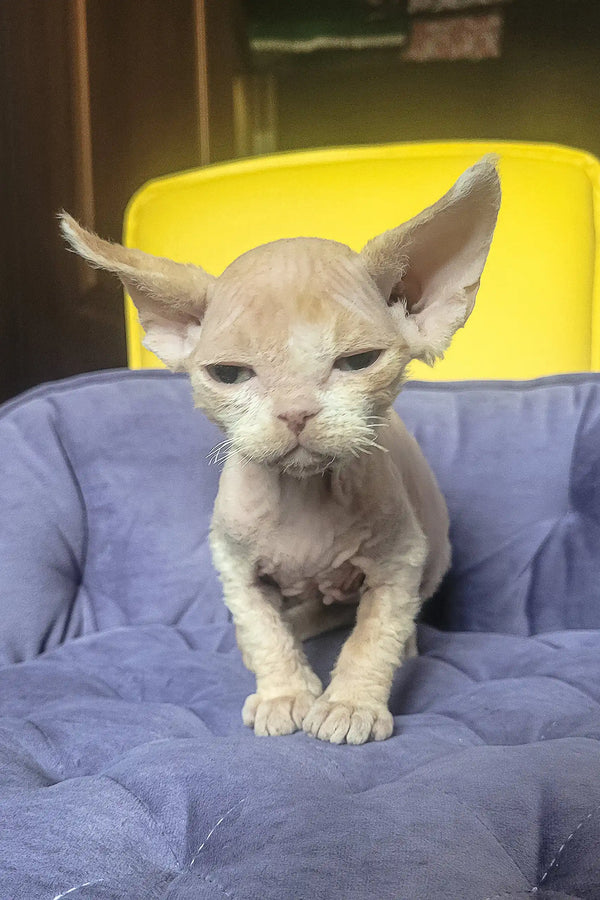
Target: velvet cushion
x: 125, y: 771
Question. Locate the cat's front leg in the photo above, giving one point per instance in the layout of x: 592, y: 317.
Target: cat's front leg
x: 286, y: 686
x: 354, y: 707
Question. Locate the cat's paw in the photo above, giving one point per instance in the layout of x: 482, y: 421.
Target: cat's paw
x: 352, y: 722
x: 276, y: 715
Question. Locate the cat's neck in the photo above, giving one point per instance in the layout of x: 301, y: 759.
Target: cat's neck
x: 339, y: 481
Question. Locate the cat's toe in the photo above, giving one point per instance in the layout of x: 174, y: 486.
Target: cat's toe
x: 249, y: 709
x: 276, y: 715
x: 340, y: 722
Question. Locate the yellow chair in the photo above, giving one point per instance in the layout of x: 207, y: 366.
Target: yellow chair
x: 538, y: 310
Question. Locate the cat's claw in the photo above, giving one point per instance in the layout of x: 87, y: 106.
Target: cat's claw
x: 277, y: 715
x: 350, y: 722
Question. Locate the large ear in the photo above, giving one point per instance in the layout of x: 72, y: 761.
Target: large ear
x: 429, y: 268
x: 170, y: 297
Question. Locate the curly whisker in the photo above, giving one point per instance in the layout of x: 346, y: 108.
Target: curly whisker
x: 214, y: 456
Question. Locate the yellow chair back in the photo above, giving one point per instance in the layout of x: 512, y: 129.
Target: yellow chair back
x: 538, y: 308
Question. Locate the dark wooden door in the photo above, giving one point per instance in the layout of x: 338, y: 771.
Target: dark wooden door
x: 96, y: 97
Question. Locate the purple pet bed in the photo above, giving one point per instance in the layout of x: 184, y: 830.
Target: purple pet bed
x: 125, y: 770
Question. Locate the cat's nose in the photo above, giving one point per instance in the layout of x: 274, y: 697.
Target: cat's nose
x: 296, y: 419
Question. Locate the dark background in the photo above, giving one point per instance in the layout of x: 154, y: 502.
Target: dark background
x: 97, y: 96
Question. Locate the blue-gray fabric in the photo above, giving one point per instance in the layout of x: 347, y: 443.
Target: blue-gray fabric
x: 125, y: 771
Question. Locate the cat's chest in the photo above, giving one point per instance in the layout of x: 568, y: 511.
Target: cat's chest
x: 303, y: 536
x: 312, y: 550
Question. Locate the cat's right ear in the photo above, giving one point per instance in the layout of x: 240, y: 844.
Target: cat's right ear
x: 170, y: 297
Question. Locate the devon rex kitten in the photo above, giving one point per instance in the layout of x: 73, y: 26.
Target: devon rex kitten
x: 327, y: 510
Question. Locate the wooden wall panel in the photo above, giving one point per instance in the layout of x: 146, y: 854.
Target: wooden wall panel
x: 97, y: 97
x: 39, y: 158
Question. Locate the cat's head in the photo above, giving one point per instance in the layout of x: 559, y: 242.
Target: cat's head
x: 298, y: 349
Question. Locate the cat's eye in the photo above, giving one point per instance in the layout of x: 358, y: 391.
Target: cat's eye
x: 357, y: 361
x: 227, y: 374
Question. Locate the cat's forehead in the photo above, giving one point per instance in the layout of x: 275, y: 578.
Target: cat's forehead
x: 299, y: 266
x: 270, y: 291
x: 303, y: 255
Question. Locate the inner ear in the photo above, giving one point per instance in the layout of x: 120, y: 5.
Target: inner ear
x: 407, y: 291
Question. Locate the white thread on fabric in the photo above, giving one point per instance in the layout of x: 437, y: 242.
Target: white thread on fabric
x: 215, y: 826
x: 561, y: 849
x: 554, y: 862
x: 76, y: 888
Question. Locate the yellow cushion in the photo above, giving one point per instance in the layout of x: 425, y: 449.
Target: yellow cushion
x: 537, y: 309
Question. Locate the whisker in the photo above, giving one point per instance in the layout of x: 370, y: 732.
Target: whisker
x: 365, y: 445
x: 236, y: 452
x: 221, y: 444
x: 213, y: 455
x: 241, y: 458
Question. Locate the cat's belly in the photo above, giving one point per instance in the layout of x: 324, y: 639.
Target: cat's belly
x: 330, y: 577
x: 308, y: 537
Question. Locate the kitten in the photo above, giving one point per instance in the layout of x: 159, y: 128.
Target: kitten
x: 327, y: 511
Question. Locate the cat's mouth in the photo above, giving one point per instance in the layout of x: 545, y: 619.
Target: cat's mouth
x: 298, y: 453
x: 302, y: 460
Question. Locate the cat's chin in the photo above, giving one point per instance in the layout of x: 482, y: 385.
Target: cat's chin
x: 301, y: 463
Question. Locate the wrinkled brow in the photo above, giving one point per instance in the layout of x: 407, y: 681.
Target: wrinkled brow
x: 317, y: 294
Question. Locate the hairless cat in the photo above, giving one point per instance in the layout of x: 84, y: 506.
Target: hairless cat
x: 327, y: 512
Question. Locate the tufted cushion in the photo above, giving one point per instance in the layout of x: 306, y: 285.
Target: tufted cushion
x: 124, y: 769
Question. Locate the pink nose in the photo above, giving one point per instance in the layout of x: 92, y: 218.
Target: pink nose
x: 296, y: 420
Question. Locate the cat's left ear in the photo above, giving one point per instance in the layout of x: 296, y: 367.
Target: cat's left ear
x: 170, y: 297
x: 429, y: 268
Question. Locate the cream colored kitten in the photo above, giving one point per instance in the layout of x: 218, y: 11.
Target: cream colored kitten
x: 326, y: 508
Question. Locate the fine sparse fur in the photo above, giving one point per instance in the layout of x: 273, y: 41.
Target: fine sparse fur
x: 327, y: 513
